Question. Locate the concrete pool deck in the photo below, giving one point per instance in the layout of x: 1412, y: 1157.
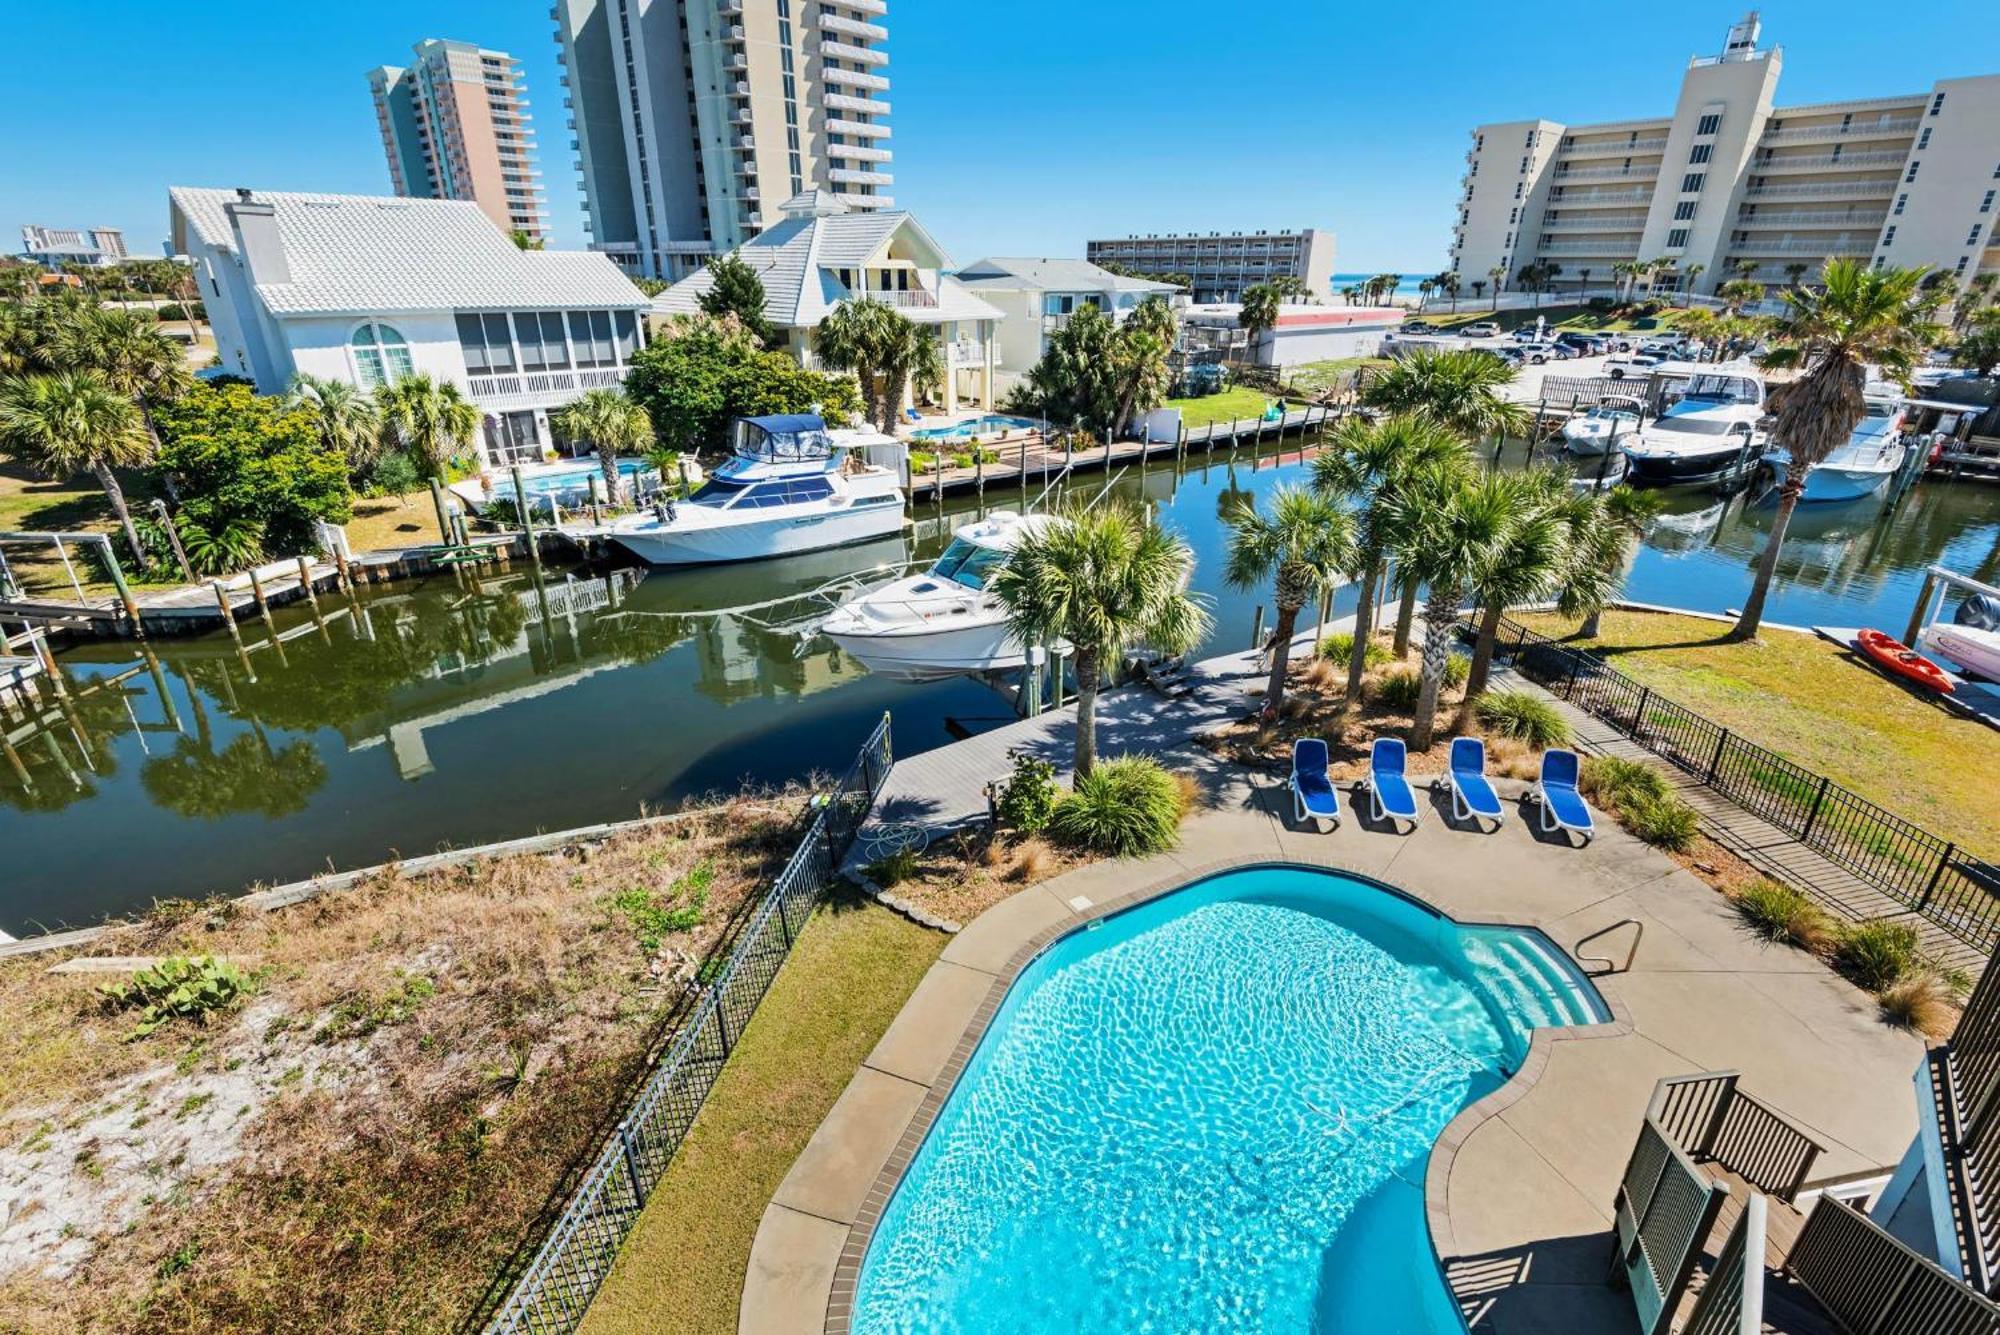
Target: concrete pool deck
x: 1520, y: 1185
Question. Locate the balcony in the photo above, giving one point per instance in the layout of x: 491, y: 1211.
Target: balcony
x: 876, y: 7
x: 855, y: 79
x: 858, y: 153
x: 866, y: 106
x: 1596, y: 222
x: 867, y: 32
x: 729, y: 8
x: 1625, y: 247
x: 869, y: 201
x: 541, y: 388
x: 1829, y: 218
x: 737, y: 62
x: 732, y: 32
x: 859, y: 129
x: 865, y: 55
x: 967, y: 354
x: 1613, y: 148
x: 1601, y: 199
x: 1820, y: 248
x: 1814, y: 134
x: 740, y: 88
x: 1822, y: 162
x: 1643, y: 171
x: 847, y: 176
x: 1881, y: 186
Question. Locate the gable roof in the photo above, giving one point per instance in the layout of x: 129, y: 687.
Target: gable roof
x: 795, y: 261
x: 382, y: 255
x: 1054, y: 275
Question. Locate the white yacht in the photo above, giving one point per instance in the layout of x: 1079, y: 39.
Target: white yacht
x: 945, y: 621
x: 1862, y: 467
x: 1595, y: 430
x: 791, y: 486
x: 1703, y: 433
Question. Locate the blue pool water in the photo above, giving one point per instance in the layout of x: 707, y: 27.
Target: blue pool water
x: 981, y: 426
x: 1214, y: 1112
x: 567, y: 481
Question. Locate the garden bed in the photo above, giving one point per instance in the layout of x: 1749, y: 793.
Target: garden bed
x: 374, y: 1125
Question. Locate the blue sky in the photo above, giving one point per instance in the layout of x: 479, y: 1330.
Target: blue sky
x: 1021, y: 126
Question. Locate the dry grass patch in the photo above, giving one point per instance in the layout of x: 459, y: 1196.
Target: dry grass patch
x: 364, y: 1140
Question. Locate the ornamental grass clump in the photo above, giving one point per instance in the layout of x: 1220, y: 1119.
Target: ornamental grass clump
x: 1339, y: 647
x: 1524, y: 717
x: 1779, y: 913
x: 1877, y: 955
x: 1124, y: 808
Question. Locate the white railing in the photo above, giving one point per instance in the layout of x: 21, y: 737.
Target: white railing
x: 867, y: 106
x: 1625, y: 247
x: 540, y: 384
x: 1597, y: 222
x: 1643, y: 170
x: 1600, y: 197
x: 1857, y: 130
x: 1819, y: 162
x: 866, y: 55
x: 849, y: 176
x: 869, y: 32
x: 1844, y: 245
x: 1813, y: 190
x: 858, y: 153
x: 862, y: 129
x: 869, y: 201
x: 913, y: 298
x: 1635, y: 146
x: 968, y: 354
x: 856, y: 79
x: 1808, y: 219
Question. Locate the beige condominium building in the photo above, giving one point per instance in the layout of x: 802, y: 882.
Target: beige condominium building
x: 455, y: 125
x: 1223, y: 264
x: 694, y: 121
x: 1730, y: 182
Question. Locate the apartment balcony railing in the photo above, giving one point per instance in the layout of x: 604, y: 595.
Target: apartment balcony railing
x: 1806, y: 134
x: 856, y: 79
x: 1828, y: 218
x: 1601, y: 198
x: 848, y: 176
x: 1821, y: 189
x: 870, y: 32
x: 866, y: 106
x: 859, y: 129
x: 1822, y: 161
x: 860, y: 6
x: 1821, y: 248
x: 499, y: 389
x: 858, y: 152
x: 1622, y: 246
x: 1614, y: 148
x: 1596, y: 222
x: 743, y: 116
x: 740, y: 88
x: 732, y: 32
x: 915, y: 298
x: 737, y: 61
x: 1640, y: 171
x: 730, y: 8
x: 866, y: 55
x: 747, y: 143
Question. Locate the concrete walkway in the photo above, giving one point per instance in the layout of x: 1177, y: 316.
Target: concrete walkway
x: 1521, y: 1184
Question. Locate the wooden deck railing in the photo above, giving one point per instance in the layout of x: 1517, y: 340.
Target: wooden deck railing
x: 1872, y: 1284
x: 1715, y: 1121
x: 1732, y: 1300
x: 1665, y: 1209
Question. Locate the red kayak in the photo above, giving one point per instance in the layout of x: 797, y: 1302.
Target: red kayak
x: 1893, y: 656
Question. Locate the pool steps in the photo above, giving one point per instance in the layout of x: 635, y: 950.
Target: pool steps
x: 1529, y: 982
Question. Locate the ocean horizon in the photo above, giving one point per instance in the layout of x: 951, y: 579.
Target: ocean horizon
x: 1406, y: 288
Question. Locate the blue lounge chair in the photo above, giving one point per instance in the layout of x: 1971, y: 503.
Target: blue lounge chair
x: 1555, y: 792
x: 912, y: 414
x: 1312, y: 794
x: 1472, y: 795
x: 1389, y: 795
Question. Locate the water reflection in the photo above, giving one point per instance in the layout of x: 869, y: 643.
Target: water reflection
x: 490, y: 703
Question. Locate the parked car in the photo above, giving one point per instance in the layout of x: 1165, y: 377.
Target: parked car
x: 1584, y: 345
x: 1416, y: 327
x: 1664, y: 347
x: 1639, y: 364
x: 1481, y: 329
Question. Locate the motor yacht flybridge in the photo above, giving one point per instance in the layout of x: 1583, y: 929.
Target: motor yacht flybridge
x: 791, y: 486
x: 1711, y: 428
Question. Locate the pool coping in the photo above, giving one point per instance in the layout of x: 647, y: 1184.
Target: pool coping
x: 1082, y: 911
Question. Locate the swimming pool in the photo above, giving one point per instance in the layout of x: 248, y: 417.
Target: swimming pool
x: 976, y: 426
x: 569, y: 479
x: 1212, y: 1112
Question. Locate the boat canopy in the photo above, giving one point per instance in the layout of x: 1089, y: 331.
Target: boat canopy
x: 781, y: 438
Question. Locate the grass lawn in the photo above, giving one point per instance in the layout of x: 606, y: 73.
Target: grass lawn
x: 1559, y: 316
x: 1239, y: 402
x: 682, y: 1267
x: 1318, y: 377
x: 1816, y: 704
x: 392, y: 521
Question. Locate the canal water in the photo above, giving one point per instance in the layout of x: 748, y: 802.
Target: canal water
x: 482, y: 705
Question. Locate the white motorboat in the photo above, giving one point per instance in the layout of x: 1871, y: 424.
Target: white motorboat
x: 1704, y: 433
x: 1594, y: 430
x: 945, y: 621
x: 1862, y: 467
x: 1971, y: 639
x: 791, y: 486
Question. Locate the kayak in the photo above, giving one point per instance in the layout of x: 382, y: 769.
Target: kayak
x: 1898, y: 659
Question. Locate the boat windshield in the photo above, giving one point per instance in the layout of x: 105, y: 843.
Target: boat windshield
x: 1614, y: 414
x: 716, y: 493
x: 1723, y: 389
x: 781, y: 439
x: 968, y: 563
x: 1697, y: 426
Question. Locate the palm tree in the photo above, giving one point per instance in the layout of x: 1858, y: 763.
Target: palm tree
x: 431, y: 417
x: 1364, y: 466
x: 1524, y: 567
x: 1622, y: 272
x: 1858, y: 316
x: 1101, y: 580
x: 1795, y: 271
x: 611, y: 422
x: 1259, y: 314
x: 1739, y: 293
x: 1694, y: 271
x: 1979, y: 349
x: 1306, y: 542
x: 71, y: 422
x: 1452, y: 529
x: 131, y: 355
x: 1451, y: 289
x: 1602, y: 529
x: 1498, y: 273
x: 1582, y: 282
x: 348, y: 422
x: 883, y: 348
x: 1459, y: 388
x: 1478, y: 288
x: 1139, y: 358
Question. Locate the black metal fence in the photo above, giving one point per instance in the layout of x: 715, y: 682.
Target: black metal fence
x: 555, y: 1289
x: 1923, y: 871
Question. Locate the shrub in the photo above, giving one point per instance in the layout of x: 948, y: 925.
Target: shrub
x: 1398, y: 690
x: 1664, y: 822
x: 173, y: 310
x: 177, y: 988
x: 1876, y: 954
x: 394, y: 474
x: 1780, y: 913
x: 1611, y: 781
x: 1524, y: 717
x: 1340, y: 647
x: 1030, y: 796
x: 1922, y: 1001
x: 1032, y: 860
x: 1457, y: 668
x: 654, y: 916
x: 1126, y: 807
x: 892, y: 869
x: 235, y: 459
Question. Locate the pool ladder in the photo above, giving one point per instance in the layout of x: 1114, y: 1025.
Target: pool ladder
x: 1638, y: 935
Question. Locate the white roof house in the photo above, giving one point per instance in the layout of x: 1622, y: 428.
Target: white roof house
x: 1037, y: 296
x: 366, y: 289
x: 823, y: 254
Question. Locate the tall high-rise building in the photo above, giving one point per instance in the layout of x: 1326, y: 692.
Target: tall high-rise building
x: 455, y: 125
x: 693, y: 121
x: 1730, y: 184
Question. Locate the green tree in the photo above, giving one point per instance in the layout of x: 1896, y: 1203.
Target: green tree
x: 1306, y: 542
x: 1739, y: 293
x: 1602, y: 530
x: 1102, y: 580
x: 1525, y: 566
x: 523, y: 239
x: 129, y: 352
x: 611, y: 422
x: 1979, y: 350
x: 71, y: 422
x: 1258, y: 313
x: 1365, y: 464
x: 345, y: 416
x: 1140, y: 364
x: 736, y: 290
x: 434, y: 421
x: 1077, y: 378
x: 883, y: 348
x: 1451, y: 531
x: 700, y: 372
x: 1858, y: 316
x: 244, y: 464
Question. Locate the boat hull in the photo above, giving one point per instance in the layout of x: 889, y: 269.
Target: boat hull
x: 1678, y: 469
x: 1976, y: 651
x: 932, y: 655
x: 776, y: 536
x: 1830, y: 486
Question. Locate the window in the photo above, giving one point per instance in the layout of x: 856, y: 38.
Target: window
x: 1900, y: 201
x: 1524, y: 166
x: 1937, y: 104
x: 1677, y: 238
x: 626, y: 328
x: 1911, y: 175
x: 1685, y: 209
x: 381, y: 355
x: 537, y: 354
x: 1924, y: 139
x: 1700, y: 153
x: 1517, y: 189
x: 590, y: 335
x: 1973, y: 239
x: 1889, y: 238
x: 1986, y: 204
x: 1961, y: 264
x: 1709, y: 124
x: 1691, y: 183
x: 1513, y: 216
